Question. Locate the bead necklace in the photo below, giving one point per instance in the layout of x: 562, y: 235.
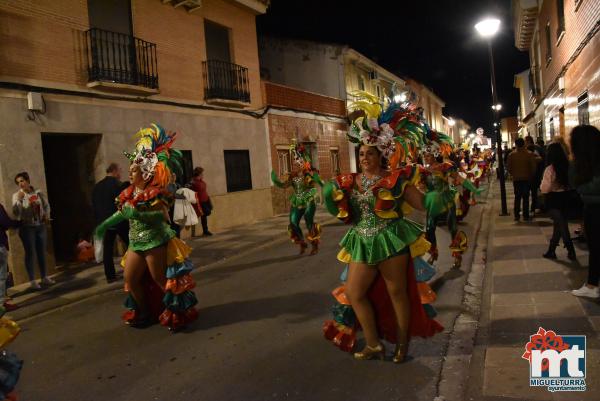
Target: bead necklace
x: 367, y: 183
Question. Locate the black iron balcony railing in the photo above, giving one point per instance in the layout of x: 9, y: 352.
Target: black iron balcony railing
x: 119, y: 58
x: 224, y: 80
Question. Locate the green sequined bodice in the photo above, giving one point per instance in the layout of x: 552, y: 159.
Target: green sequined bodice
x: 367, y: 223
x: 303, y: 194
x: 437, y: 182
x: 144, y: 236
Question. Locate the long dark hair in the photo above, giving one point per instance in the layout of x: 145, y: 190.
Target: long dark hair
x: 585, y: 145
x: 557, y: 158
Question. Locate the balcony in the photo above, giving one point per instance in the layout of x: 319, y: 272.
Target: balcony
x: 525, y: 13
x: 225, y: 83
x: 121, y: 63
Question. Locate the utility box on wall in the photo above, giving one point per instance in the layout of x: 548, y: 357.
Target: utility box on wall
x: 35, y: 102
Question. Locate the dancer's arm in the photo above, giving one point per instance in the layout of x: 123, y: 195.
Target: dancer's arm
x: 113, y: 220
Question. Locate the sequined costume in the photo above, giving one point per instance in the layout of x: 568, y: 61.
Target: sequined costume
x: 10, y: 364
x: 440, y: 202
x: 379, y: 231
x: 173, y: 305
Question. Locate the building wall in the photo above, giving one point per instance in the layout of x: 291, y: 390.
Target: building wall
x: 45, y: 44
x: 432, y: 105
x: 206, y: 134
x: 583, y: 72
x: 287, y: 121
x: 309, y: 66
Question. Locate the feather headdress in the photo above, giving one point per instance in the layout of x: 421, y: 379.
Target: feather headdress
x: 301, y: 156
x: 154, y: 155
x: 396, y: 130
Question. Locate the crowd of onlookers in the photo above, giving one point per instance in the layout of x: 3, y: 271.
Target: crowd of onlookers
x: 568, y: 178
x: 31, y: 215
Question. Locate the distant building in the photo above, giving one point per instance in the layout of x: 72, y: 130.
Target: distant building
x: 509, y: 129
x: 332, y: 70
x: 317, y: 121
x: 563, y: 44
x: 431, y: 103
x: 526, y: 109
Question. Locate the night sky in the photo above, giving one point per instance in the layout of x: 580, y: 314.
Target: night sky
x: 433, y: 41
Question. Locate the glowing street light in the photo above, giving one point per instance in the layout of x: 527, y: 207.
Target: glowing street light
x: 400, y: 98
x: 451, y: 122
x: 487, y: 28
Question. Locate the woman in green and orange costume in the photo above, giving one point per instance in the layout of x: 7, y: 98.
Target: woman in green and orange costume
x: 157, y: 264
x: 385, y: 289
x: 303, y: 179
x: 440, y: 176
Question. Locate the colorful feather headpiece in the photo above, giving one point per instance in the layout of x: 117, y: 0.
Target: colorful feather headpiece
x: 437, y: 143
x: 301, y: 155
x: 154, y: 156
x: 396, y: 131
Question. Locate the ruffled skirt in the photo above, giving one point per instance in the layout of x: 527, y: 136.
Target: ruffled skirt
x: 394, y: 240
x: 175, y: 306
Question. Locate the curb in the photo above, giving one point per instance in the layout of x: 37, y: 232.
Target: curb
x: 456, y: 361
x: 42, y: 307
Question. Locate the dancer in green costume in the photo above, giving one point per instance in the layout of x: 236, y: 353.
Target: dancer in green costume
x: 302, y: 179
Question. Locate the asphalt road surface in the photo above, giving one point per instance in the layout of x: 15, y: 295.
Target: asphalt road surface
x: 258, y: 337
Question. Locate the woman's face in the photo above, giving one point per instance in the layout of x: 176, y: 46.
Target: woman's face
x: 429, y: 158
x: 369, y: 158
x: 135, y: 175
x: 23, y: 183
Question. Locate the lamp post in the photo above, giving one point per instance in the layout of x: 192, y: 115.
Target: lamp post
x: 487, y: 28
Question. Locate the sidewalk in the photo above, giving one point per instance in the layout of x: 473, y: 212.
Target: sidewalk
x: 74, y: 284
x: 522, y: 292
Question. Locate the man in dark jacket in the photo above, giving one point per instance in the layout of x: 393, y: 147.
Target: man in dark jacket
x: 103, y: 201
x: 522, y: 165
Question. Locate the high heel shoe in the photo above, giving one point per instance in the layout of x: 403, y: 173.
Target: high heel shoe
x: 315, y: 249
x: 303, y: 247
x: 370, y: 352
x: 400, y: 352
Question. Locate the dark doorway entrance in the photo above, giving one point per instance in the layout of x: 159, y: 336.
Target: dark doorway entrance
x: 69, y: 167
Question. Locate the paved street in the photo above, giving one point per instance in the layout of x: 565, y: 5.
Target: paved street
x: 258, y: 337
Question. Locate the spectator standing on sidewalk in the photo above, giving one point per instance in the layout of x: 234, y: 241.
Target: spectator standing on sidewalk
x: 32, y: 209
x: 555, y: 186
x: 199, y: 186
x: 5, y: 223
x: 522, y: 166
x: 585, y: 176
x: 539, y: 172
x: 104, y: 197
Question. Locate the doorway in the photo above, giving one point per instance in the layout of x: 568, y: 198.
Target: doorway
x: 69, y: 167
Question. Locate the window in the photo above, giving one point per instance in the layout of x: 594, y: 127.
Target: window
x: 237, y: 170
x: 217, y: 41
x: 334, y: 154
x: 361, y: 83
x: 548, y: 45
x: 114, y: 16
x: 552, y: 132
x: 583, y: 112
x: 540, y: 129
x: 560, y: 10
x: 378, y: 90
x: 284, y: 160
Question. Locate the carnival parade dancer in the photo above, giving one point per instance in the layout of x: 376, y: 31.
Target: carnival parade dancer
x: 157, y: 264
x: 302, y: 179
x: 10, y: 364
x: 441, y: 176
x: 383, y: 248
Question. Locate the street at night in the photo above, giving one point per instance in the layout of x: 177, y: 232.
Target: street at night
x: 270, y: 200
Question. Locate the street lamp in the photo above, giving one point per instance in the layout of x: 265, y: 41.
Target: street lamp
x: 487, y: 29
x: 451, y: 122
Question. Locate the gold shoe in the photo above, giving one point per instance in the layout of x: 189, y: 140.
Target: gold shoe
x: 400, y: 352
x: 370, y: 352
